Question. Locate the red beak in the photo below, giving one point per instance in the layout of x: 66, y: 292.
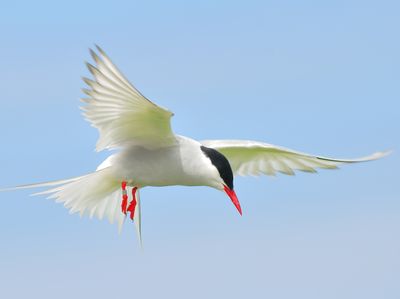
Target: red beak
x: 233, y: 197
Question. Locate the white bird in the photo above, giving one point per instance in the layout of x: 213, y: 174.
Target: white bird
x: 150, y: 154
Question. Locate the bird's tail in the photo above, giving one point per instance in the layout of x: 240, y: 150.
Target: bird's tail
x: 95, y: 194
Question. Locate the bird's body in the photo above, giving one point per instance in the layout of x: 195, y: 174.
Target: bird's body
x: 182, y: 163
x: 150, y: 154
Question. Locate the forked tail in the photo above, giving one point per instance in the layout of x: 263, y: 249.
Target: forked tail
x: 96, y: 194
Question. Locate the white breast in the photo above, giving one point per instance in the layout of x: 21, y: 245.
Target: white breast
x: 180, y: 164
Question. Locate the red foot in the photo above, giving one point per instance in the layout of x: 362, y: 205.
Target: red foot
x: 132, y: 204
x: 124, y: 198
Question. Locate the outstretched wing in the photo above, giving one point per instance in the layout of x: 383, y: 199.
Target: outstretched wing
x: 256, y: 158
x: 120, y: 112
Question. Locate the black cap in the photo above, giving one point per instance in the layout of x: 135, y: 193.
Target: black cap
x: 222, y: 165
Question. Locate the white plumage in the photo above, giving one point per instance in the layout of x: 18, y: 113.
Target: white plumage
x: 120, y: 112
x: 256, y: 158
x: 150, y: 154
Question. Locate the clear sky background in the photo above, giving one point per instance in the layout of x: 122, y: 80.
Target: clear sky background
x: 316, y: 76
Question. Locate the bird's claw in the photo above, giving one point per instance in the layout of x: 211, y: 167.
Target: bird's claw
x: 132, y: 205
x: 124, y: 198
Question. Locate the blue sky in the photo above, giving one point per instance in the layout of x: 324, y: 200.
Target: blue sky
x: 314, y: 76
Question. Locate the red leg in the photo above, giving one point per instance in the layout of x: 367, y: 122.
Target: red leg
x: 132, y: 204
x: 124, y: 198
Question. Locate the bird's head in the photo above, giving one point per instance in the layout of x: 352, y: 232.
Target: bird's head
x: 225, y: 179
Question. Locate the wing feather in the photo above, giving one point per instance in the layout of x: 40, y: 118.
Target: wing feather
x: 255, y: 158
x: 120, y: 112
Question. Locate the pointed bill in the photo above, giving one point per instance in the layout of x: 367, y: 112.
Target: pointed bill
x: 233, y: 197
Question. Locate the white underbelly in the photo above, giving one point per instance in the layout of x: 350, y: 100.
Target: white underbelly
x: 161, y: 167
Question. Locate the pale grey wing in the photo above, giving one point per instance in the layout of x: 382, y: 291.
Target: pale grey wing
x: 120, y: 112
x: 256, y: 158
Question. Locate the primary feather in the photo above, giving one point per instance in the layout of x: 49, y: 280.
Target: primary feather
x: 120, y: 112
x: 255, y: 158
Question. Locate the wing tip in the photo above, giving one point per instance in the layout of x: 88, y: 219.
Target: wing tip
x: 384, y: 153
x: 92, y: 69
x: 94, y: 55
x: 100, y: 49
x: 372, y: 157
x: 376, y: 156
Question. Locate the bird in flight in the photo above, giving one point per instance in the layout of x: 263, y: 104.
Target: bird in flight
x: 148, y: 153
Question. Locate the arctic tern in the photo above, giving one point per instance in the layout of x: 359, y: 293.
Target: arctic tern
x: 150, y: 154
